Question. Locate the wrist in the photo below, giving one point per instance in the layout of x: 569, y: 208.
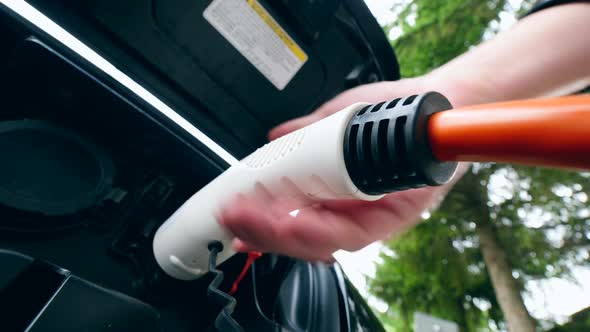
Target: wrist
x: 464, y: 88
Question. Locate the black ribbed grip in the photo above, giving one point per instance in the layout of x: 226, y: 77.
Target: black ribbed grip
x: 386, y: 145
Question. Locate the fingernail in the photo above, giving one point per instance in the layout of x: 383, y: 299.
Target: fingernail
x: 238, y: 245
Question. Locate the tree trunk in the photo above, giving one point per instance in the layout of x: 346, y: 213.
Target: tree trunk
x: 505, y: 286
x: 507, y: 291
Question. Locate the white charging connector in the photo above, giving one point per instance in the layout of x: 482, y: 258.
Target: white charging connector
x: 361, y: 152
x: 308, y: 163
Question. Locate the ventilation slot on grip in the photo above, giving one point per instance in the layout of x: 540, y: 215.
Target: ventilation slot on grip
x: 386, y: 148
x: 365, y: 151
x: 409, y: 100
x: 363, y: 111
x: 352, y: 134
x: 377, y: 107
x: 382, y: 148
x: 400, y: 145
x: 393, y: 103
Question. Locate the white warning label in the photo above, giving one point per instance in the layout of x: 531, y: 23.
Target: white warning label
x: 247, y: 26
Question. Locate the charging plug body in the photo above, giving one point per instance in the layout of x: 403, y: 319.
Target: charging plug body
x: 361, y: 152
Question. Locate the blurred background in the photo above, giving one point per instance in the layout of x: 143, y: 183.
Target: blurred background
x: 537, y: 221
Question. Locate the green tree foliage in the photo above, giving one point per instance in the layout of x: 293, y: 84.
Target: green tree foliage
x: 538, y: 216
x: 434, y: 32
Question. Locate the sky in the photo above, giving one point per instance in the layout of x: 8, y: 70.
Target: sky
x: 553, y: 299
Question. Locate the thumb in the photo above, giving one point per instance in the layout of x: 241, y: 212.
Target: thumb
x: 292, y: 125
x: 374, y: 92
x: 298, y: 123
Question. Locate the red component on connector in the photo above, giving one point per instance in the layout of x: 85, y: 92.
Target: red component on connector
x: 252, y: 256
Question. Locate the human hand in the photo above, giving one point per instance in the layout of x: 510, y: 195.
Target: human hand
x: 261, y: 222
x: 487, y: 73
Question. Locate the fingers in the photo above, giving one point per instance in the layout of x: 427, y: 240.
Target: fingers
x: 323, y: 111
x: 293, y: 125
x: 393, y: 214
x: 314, y: 235
x: 323, y: 228
x: 258, y: 228
x: 371, y: 93
x: 262, y: 223
x: 242, y: 246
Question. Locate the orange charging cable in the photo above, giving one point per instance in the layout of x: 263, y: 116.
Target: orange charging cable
x: 552, y: 132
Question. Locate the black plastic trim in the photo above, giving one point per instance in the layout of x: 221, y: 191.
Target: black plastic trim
x: 386, y: 149
x: 28, y: 294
